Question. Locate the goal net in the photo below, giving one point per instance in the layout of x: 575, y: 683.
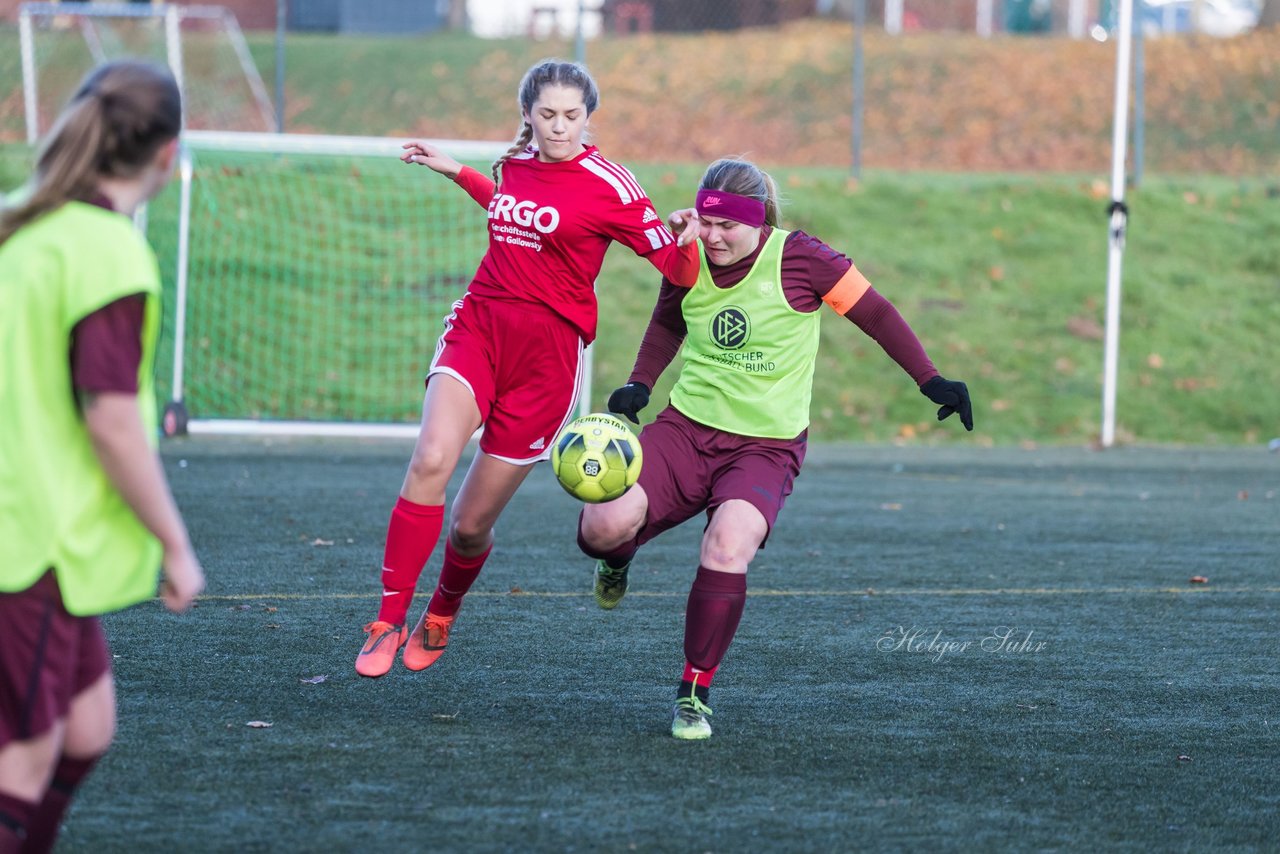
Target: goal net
x: 312, y: 278
x: 203, y: 45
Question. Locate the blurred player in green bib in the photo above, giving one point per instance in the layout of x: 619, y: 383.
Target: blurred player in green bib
x: 733, y: 439
x: 86, y: 517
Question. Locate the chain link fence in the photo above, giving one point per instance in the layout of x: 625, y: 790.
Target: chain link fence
x: 551, y: 18
x: 1079, y: 19
x: 955, y: 85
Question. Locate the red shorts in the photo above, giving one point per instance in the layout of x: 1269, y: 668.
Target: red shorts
x: 690, y: 467
x: 522, y: 363
x: 47, y: 658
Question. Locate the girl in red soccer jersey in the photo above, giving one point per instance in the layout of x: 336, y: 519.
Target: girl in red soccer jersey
x: 86, y: 515
x: 733, y: 439
x: 510, y: 359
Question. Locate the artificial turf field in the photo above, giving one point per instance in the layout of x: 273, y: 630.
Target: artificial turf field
x: 1141, y: 713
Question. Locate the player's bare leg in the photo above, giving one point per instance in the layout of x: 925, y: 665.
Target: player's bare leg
x: 607, y: 528
x: 90, y: 727
x: 449, y: 418
x: 486, y: 491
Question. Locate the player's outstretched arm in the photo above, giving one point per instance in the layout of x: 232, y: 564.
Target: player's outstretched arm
x: 425, y: 154
x: 478, y: 186
x: 120, y: 443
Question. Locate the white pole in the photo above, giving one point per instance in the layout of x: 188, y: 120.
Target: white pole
x: 173, y: 47
x: 185, y: 171
x: 893, y: 17
x: 588, y: 368
x: 91, y: 39
x: 28, y: 47
x: 1119, y: 222
x: 985, y: 14
x: 1076, y: 14
x: 270, y: 118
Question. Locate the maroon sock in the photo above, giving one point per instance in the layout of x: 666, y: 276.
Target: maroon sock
x: 456, y: 577
x: 15, y: 817
x: 411, y: 537
x: 42, y: 832
x: 616, y: 558
x: 711, y: 617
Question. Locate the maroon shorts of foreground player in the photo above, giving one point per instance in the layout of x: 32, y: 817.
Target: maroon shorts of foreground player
x: 523, y: 364
x: 690, y: 467
x: 47, y: 658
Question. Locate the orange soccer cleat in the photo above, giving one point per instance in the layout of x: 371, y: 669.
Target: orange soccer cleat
x: 427, y: 641
x: 379, y: 650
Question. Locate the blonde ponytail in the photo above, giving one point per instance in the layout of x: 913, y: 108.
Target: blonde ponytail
x: 119, y: 117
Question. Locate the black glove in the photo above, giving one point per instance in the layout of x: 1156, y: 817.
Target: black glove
x: 951, y: 395
x: 629, y: 400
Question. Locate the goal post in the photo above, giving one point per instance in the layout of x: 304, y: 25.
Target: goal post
x: 202, y: 45
x: 312, y: 277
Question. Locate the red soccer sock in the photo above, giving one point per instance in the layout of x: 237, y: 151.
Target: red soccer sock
x: 15, y: 816
x: 411, y: 537
x: 42, y: 832
x: 716, y: 600
x: 701, y: 678
x: 456, y: 577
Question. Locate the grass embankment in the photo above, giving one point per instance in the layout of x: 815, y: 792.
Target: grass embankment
x: 943, y: 101
x: 1002, y: 276
x: 1004, y: 279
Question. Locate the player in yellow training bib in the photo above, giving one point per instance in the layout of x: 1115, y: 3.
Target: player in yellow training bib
x: 86, y: 518
x: 733, y: 439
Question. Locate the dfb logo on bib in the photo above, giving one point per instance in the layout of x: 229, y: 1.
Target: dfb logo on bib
x: 730, y: 328
x: 507, y: 209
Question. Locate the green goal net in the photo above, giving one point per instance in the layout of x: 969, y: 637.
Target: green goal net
x: 311, y: 278
x: 60, y: 42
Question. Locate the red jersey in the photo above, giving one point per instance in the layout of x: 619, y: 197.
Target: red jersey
x: 551, y: 223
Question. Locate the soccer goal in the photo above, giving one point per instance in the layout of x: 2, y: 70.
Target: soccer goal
x: 312, y: 278
x: 203, y: 45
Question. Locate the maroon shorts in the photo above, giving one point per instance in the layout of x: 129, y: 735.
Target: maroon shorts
x: 689, y: 467
x: 47, y: 658
x: 522, y: 363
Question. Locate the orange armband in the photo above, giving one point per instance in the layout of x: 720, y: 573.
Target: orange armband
x: 845, y: 294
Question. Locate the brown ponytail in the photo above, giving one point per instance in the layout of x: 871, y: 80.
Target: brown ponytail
x: 119, y: 117
x: 548, y: 72
x: 744, y: 178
